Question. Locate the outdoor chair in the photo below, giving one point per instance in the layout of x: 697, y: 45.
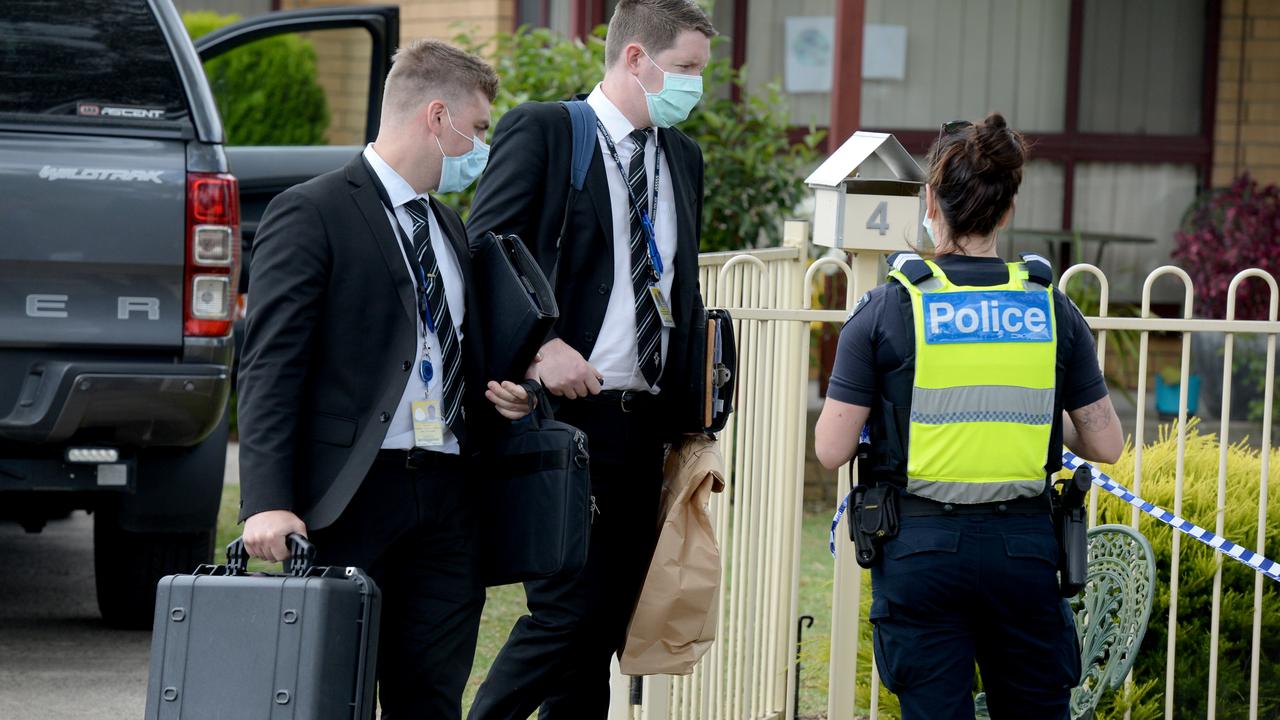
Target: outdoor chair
x: 1111, y: 614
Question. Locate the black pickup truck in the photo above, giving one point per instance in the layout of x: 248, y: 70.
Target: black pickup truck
x: 125, y: 223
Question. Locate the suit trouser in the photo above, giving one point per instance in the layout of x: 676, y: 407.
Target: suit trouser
x: 414, y: 533
x: 557, y: 657
x: 954, y: 590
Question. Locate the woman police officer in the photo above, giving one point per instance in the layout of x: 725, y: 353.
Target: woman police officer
x: 970, y: 374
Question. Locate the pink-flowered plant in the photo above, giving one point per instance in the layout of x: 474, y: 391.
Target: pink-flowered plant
x: 1225, y: 231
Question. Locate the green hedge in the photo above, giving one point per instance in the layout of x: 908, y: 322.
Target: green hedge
x: 754, y: 175
x: 266, y: 91
x: 1195, y: 577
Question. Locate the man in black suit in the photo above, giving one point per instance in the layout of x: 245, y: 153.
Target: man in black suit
x: 628, y: 292
x: 359, y: 401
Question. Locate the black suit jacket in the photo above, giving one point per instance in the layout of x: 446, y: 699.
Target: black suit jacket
x: 329, y: 344
x: 524, y: 192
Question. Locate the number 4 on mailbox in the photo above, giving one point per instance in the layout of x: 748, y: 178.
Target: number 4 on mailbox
x: 879, y: 219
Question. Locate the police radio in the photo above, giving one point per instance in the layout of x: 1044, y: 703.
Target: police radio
x: 1073, y: 532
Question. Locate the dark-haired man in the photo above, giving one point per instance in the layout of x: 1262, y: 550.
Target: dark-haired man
x: 628, y: 292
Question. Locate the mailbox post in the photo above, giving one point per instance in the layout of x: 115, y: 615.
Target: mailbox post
x: 869, y: 217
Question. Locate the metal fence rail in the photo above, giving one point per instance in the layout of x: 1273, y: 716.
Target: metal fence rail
x: 749, y: 673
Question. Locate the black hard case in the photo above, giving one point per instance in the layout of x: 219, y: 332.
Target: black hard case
x: 231, y: 645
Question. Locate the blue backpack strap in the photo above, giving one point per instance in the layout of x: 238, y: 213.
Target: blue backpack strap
x: 583, y: 119
x: 1039, y: 270
x: 911, y: 265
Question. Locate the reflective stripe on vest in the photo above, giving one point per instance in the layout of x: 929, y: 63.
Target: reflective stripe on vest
x: 982, y: 401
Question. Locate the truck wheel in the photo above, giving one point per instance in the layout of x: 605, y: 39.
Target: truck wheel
x: 127, y: 566
x: 166, y: 527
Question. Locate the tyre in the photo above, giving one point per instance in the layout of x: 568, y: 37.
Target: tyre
x: 166, y: 527
x: 127, y: 565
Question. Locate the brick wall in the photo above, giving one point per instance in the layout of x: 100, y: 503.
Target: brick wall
x: 342, y: 69
x: 1247, y: 132
x: 342, y: 56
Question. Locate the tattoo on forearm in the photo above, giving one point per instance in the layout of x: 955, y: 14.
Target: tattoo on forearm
x: 1094, y: 418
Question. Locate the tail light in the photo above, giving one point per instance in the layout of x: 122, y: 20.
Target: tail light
x: 213, y: 254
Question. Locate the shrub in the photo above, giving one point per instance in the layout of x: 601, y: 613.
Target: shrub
x: 266, y: 91
x: 1224, y: 231
x: 753, y: 172
x: 1195, y: 596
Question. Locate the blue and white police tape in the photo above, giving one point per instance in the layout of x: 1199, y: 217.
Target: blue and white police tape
x: 863, y: 437
x: 1259, y: 563
x: 835, y: 522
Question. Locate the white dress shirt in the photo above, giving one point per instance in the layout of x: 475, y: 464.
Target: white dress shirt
x: 400, y: 430
x: 614, y: 354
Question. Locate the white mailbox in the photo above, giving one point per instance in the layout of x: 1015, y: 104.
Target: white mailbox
x: 867, y: 214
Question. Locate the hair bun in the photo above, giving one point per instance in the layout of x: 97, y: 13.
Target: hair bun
x: 995, y: 120
x: 996, y: 147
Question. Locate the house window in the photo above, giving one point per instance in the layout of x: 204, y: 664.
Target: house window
x: 552, y: 14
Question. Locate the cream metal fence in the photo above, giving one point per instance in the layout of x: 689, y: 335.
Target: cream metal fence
x: 749, y: 674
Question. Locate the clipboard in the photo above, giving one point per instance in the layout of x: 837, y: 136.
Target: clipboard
x: 717, y: 358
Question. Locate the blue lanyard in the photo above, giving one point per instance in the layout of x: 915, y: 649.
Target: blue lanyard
x: 425, y: 370
x: 646, y: 221
x: 424, y: 305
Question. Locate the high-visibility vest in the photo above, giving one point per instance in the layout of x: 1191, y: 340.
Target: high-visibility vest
x: 982, y: 401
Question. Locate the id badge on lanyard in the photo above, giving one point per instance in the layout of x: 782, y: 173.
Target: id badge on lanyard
x: 428, y: 427
x: 659, y: 299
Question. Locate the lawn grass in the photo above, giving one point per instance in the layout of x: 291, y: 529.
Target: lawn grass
x: 505, y: 604
x: 816, y: 585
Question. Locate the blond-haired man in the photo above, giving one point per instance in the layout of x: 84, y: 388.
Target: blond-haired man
x: 617, y: 359
x: 357, y: 393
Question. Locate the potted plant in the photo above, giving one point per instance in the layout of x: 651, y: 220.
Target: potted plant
x: 1227, y: 230
x: 1169, y: 388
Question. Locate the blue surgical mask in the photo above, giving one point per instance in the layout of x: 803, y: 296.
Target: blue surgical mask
x: 458, y: 172
x: 672, y: 104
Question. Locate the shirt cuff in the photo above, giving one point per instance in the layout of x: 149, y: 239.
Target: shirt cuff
x: 1089, y: 394
x: 845, y: 393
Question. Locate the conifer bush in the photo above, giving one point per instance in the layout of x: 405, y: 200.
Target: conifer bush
x: 1196, y: 572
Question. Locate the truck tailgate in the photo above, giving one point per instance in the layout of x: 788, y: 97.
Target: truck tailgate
x: 91, y: 241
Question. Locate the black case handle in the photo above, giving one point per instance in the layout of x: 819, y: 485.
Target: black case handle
x: 302, y: 556
x: 539, y: 403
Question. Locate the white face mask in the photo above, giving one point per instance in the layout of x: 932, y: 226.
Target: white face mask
x: 927, y: 224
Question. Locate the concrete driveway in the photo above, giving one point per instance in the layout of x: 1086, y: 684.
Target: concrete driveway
x: 57, y: 659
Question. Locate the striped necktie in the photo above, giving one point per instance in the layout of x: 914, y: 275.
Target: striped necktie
x: 648, y: 325
x: 452, y: 380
